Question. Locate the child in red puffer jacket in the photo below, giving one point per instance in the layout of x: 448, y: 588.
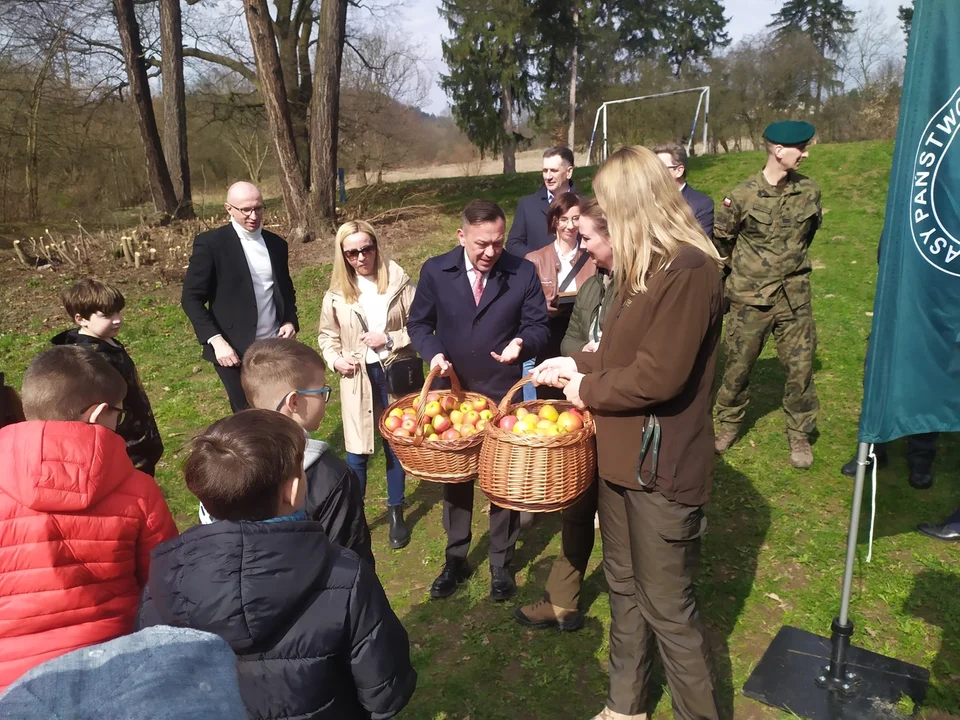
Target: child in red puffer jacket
x: 77, y: 521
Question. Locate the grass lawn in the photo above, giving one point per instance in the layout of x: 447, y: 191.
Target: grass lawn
x: 773, y: 554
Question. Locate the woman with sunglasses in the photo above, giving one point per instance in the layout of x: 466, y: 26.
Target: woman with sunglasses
x: 363, y: 329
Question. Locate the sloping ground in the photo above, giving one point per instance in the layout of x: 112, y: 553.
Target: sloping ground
x: 773, y: 553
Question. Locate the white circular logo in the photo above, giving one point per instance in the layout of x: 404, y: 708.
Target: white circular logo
x: 933, y: 239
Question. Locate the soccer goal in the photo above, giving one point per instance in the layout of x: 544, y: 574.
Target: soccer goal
x: 703, y: 102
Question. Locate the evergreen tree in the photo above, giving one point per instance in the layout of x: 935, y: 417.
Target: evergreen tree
x: 905, y: 16
x: 825, y: 22
x: 491, y: 71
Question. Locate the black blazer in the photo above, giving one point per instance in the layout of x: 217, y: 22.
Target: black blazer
x: 218, y: 292
x: 529, y: 230
x: 445, y: 319
x: 702, y: 206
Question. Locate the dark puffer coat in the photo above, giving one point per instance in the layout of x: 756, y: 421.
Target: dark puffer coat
x: 314, y: 634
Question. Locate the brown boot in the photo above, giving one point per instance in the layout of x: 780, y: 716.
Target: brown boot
x: 726, y: 437
x: 801, y: 454
x: 542, y: 614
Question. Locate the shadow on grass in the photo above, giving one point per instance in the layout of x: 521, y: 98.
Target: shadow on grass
x: 935, y: 598
x: 738, y: 519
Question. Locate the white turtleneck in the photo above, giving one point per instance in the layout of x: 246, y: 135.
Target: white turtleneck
x: 261, y: 272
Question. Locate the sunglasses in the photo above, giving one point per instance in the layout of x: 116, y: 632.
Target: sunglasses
x: 323, y: 392
x: 365, y: 250
x: 121, y: 414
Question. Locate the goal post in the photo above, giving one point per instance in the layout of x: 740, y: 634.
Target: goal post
x: 703, y: 102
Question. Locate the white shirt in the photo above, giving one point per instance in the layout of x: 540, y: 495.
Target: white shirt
x: 472, y: 273
x: 566, y: 265
x: 261, y: 273
x: 375, y: 307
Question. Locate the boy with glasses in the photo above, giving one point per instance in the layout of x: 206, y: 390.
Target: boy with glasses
x: 97, y: 308
x: 79, y: 521
x: 288, y: 377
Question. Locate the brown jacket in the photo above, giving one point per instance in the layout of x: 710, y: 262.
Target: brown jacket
x: 658, y: 356
x: 340, y: 332
x: 548, y: 270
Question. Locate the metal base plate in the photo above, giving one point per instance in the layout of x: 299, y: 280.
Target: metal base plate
x: 786, y: 678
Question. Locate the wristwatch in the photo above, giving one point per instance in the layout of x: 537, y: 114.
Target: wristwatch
x: 389, y: 343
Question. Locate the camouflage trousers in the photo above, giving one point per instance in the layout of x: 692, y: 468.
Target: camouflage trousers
x: 795, y: 334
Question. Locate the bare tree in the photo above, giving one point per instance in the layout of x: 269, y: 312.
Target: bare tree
x: 175, y: 105
x: 161, y: 187
x: 874, y: 41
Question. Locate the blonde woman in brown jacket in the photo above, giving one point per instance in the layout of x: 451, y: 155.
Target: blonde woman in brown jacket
x: 649, y: 387
x: 363, y: 327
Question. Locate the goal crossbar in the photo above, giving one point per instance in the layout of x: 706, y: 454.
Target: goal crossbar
x: 703, y: 101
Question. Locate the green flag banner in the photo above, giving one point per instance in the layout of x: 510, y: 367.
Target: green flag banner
x: 912, y: 382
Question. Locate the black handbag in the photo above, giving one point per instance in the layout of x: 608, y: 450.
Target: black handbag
x: 402, y: 376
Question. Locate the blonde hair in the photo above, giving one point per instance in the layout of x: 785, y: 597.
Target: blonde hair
x: 273, y: 367
x: 649, y: 220
x: 344, y: 280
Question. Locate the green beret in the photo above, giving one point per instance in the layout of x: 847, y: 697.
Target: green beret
x: 789, y: 132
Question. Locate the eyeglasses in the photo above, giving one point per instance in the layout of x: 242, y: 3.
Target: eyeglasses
x: 323, y: 392
x: 572, y: 222
x: 248, y: 212
x: 365, y: 250
x: 121, y: 414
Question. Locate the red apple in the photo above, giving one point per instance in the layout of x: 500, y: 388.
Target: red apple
x: 392, y: 423
x: 409, y: 416
x: 568, y: 422
x: 471, y: 418
x: 480, y: 404
x: 441, y: 423
x: 508, y: 422
x: 433, y: 397
x: 410, y: 425
x: 401, y: 432
x: 450, y: 434
x: 448, y: 403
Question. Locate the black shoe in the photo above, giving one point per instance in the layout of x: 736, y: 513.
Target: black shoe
x: 502, y: 584
x: 454, y: 572
x: 920, y: 480
x: 399, y: 534
x: 943, y: 532
x: 850, y: 469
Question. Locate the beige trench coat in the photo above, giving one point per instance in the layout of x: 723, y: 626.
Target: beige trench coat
x: 340, y: 332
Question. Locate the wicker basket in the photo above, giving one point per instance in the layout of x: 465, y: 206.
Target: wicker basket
x: 534, y: 473
x: 446, y: 461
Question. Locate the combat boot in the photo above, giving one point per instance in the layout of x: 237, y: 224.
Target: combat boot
x: 801, y: 454
x: 725, y: 438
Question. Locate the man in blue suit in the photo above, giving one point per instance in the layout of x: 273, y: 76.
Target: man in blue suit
x: 674, y: 156
x: 529, y: 231
x: 481, y: 312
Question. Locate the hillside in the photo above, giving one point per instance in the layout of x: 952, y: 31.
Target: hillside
x: 773, y: 553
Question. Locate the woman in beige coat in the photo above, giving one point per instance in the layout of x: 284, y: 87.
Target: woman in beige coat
x: 363, y: 328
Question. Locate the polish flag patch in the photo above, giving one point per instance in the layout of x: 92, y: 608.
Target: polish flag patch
x: 726, y: 202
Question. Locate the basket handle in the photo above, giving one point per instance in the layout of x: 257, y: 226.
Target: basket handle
x: 514, y: 389
x: 505, y: 402
x: 455, y: 386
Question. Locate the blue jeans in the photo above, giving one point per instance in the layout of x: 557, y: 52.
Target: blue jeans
x: 529, y: 391
x: 358, y: 463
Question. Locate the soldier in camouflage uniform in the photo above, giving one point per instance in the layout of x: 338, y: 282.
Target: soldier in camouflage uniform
x: 764, y: 229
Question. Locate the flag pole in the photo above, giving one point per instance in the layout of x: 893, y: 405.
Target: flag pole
x: 820, y: 679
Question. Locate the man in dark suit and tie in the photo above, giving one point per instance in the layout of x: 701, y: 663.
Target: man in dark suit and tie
x: 674, y: 156
x: 482, y: 312
x: 238, y: 288
x: 529, y: 231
